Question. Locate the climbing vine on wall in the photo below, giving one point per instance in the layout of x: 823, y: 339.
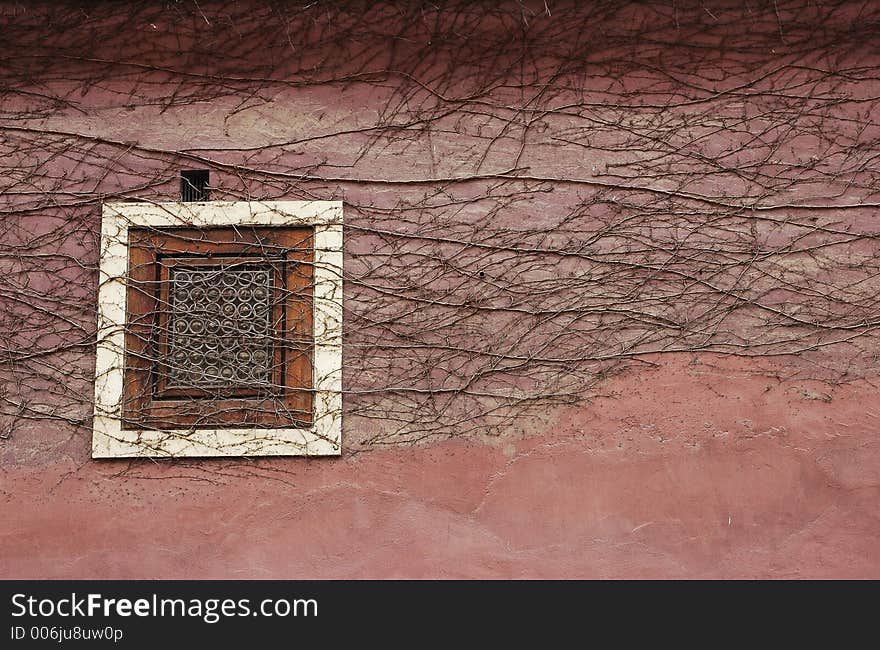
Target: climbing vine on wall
x: 537, y: 194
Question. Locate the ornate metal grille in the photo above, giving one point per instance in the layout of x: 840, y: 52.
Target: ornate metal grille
x: 220, y: 327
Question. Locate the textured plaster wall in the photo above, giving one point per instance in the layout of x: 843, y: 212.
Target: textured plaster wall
x: 699, y: 466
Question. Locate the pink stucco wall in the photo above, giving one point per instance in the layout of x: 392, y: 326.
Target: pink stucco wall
x: 694, y: 470
x: 694, y: 465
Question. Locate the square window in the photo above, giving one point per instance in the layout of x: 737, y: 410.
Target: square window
x: 219, y: 329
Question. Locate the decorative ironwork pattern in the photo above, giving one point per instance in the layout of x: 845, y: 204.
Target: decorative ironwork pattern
x: 220, y: 327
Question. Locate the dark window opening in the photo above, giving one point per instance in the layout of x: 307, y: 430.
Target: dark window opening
x: 194, y: 185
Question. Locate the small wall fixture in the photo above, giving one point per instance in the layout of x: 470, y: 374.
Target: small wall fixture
x: 194, y: 185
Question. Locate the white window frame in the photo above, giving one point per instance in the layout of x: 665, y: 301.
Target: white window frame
x: 324, y: 437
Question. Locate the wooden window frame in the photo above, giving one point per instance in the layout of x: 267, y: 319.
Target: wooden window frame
x: 120, y: 427
x: 145, y: 402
